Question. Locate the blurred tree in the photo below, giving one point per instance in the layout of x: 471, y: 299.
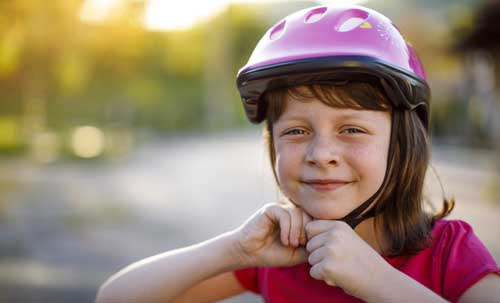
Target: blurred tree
x: 115, y: 71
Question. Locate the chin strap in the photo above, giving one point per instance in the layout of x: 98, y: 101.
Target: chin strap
x: 352, y: 217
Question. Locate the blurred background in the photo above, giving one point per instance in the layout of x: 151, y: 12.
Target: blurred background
x: 122, y: 134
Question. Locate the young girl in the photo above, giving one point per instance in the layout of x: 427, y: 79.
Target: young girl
x: 346, y: 106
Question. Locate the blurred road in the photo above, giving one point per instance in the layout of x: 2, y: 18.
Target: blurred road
x: 66, y: 227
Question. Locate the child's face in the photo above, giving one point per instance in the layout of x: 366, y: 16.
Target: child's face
x: 316, y: 143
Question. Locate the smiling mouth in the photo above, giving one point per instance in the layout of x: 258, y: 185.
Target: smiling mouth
x: 325, y: 186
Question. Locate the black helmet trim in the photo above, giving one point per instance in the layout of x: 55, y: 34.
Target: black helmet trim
x: 405, y: 89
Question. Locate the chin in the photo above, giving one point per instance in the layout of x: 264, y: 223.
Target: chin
x: 324, y: 213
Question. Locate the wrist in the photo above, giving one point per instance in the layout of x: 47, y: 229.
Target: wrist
x: 378, y: 284
x: 237, y: 257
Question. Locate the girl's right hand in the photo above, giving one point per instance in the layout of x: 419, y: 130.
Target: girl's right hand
x: 273, y: 236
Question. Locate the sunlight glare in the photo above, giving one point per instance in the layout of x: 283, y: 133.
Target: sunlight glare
x: 164, y: 15
x: 94, y: 11
x: 173, y: 15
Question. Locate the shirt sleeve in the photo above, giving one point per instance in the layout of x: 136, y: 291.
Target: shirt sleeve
x: 465, y: 259
x: 248, y: 278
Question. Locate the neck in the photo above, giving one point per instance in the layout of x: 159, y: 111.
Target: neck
x: 375, y: 237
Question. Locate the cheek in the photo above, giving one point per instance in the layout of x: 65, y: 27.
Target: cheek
x: 370, y: 163
x: 288, y: 164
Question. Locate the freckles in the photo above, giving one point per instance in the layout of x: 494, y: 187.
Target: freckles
x: 366, y: 154
x: 370, y: 162
x: 374, y: 152
x: 357, y: 153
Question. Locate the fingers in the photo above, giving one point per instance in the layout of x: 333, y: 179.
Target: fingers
x: 303, y: 235
x: 285, y: 226
x: 292, y: 221
x: 296, y: 226
x: 317, y: 242
x: 318, y: 272
x: 317, y: 227
x: 317, y: 256
x: 299, y: 219
x: 279, y: 215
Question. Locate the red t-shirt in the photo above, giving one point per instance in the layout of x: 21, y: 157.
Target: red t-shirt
x: 455, y: 260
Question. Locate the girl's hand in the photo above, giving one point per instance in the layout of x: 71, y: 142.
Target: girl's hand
x: 341, y: 258
x: 273, y: 236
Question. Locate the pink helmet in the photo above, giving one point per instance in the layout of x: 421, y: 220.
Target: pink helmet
x: 330, y: 44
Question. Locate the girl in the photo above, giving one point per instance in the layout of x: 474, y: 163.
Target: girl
x: 346, y: 106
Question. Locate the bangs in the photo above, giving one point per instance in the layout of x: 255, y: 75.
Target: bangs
x: 353, y: 95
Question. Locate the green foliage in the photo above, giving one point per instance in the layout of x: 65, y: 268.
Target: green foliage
x: 10, y: 135
x: 115, y: 71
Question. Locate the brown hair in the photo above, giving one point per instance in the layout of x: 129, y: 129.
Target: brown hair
x: 405, y: 222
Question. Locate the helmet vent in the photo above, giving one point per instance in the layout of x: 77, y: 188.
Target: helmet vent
x: 352, y: 19
x: 277, y: 31
x: 351, y: 24
x: 315, y: 14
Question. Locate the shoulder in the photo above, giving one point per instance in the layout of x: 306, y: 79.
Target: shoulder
x: 451, y: 227
x: 456, y: 245
x: 449, y: 236
x: 459, y: 256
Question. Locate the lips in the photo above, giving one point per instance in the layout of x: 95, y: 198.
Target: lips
x: 325, y: 184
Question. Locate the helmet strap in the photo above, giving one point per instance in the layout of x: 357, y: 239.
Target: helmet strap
x: 354, y: 218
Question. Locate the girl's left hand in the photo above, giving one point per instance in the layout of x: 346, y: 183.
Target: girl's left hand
x: 341, y: 258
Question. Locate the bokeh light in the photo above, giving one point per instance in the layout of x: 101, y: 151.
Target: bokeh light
x: 87, y: 141
x: 46, y: 147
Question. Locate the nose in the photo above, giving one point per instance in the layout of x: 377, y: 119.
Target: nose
x: 322, y: 151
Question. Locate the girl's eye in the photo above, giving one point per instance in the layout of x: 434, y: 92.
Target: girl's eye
x: 295, y: 131
x: 352, y: 130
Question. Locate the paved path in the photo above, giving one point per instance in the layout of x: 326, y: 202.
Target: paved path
x: 67, y: 227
